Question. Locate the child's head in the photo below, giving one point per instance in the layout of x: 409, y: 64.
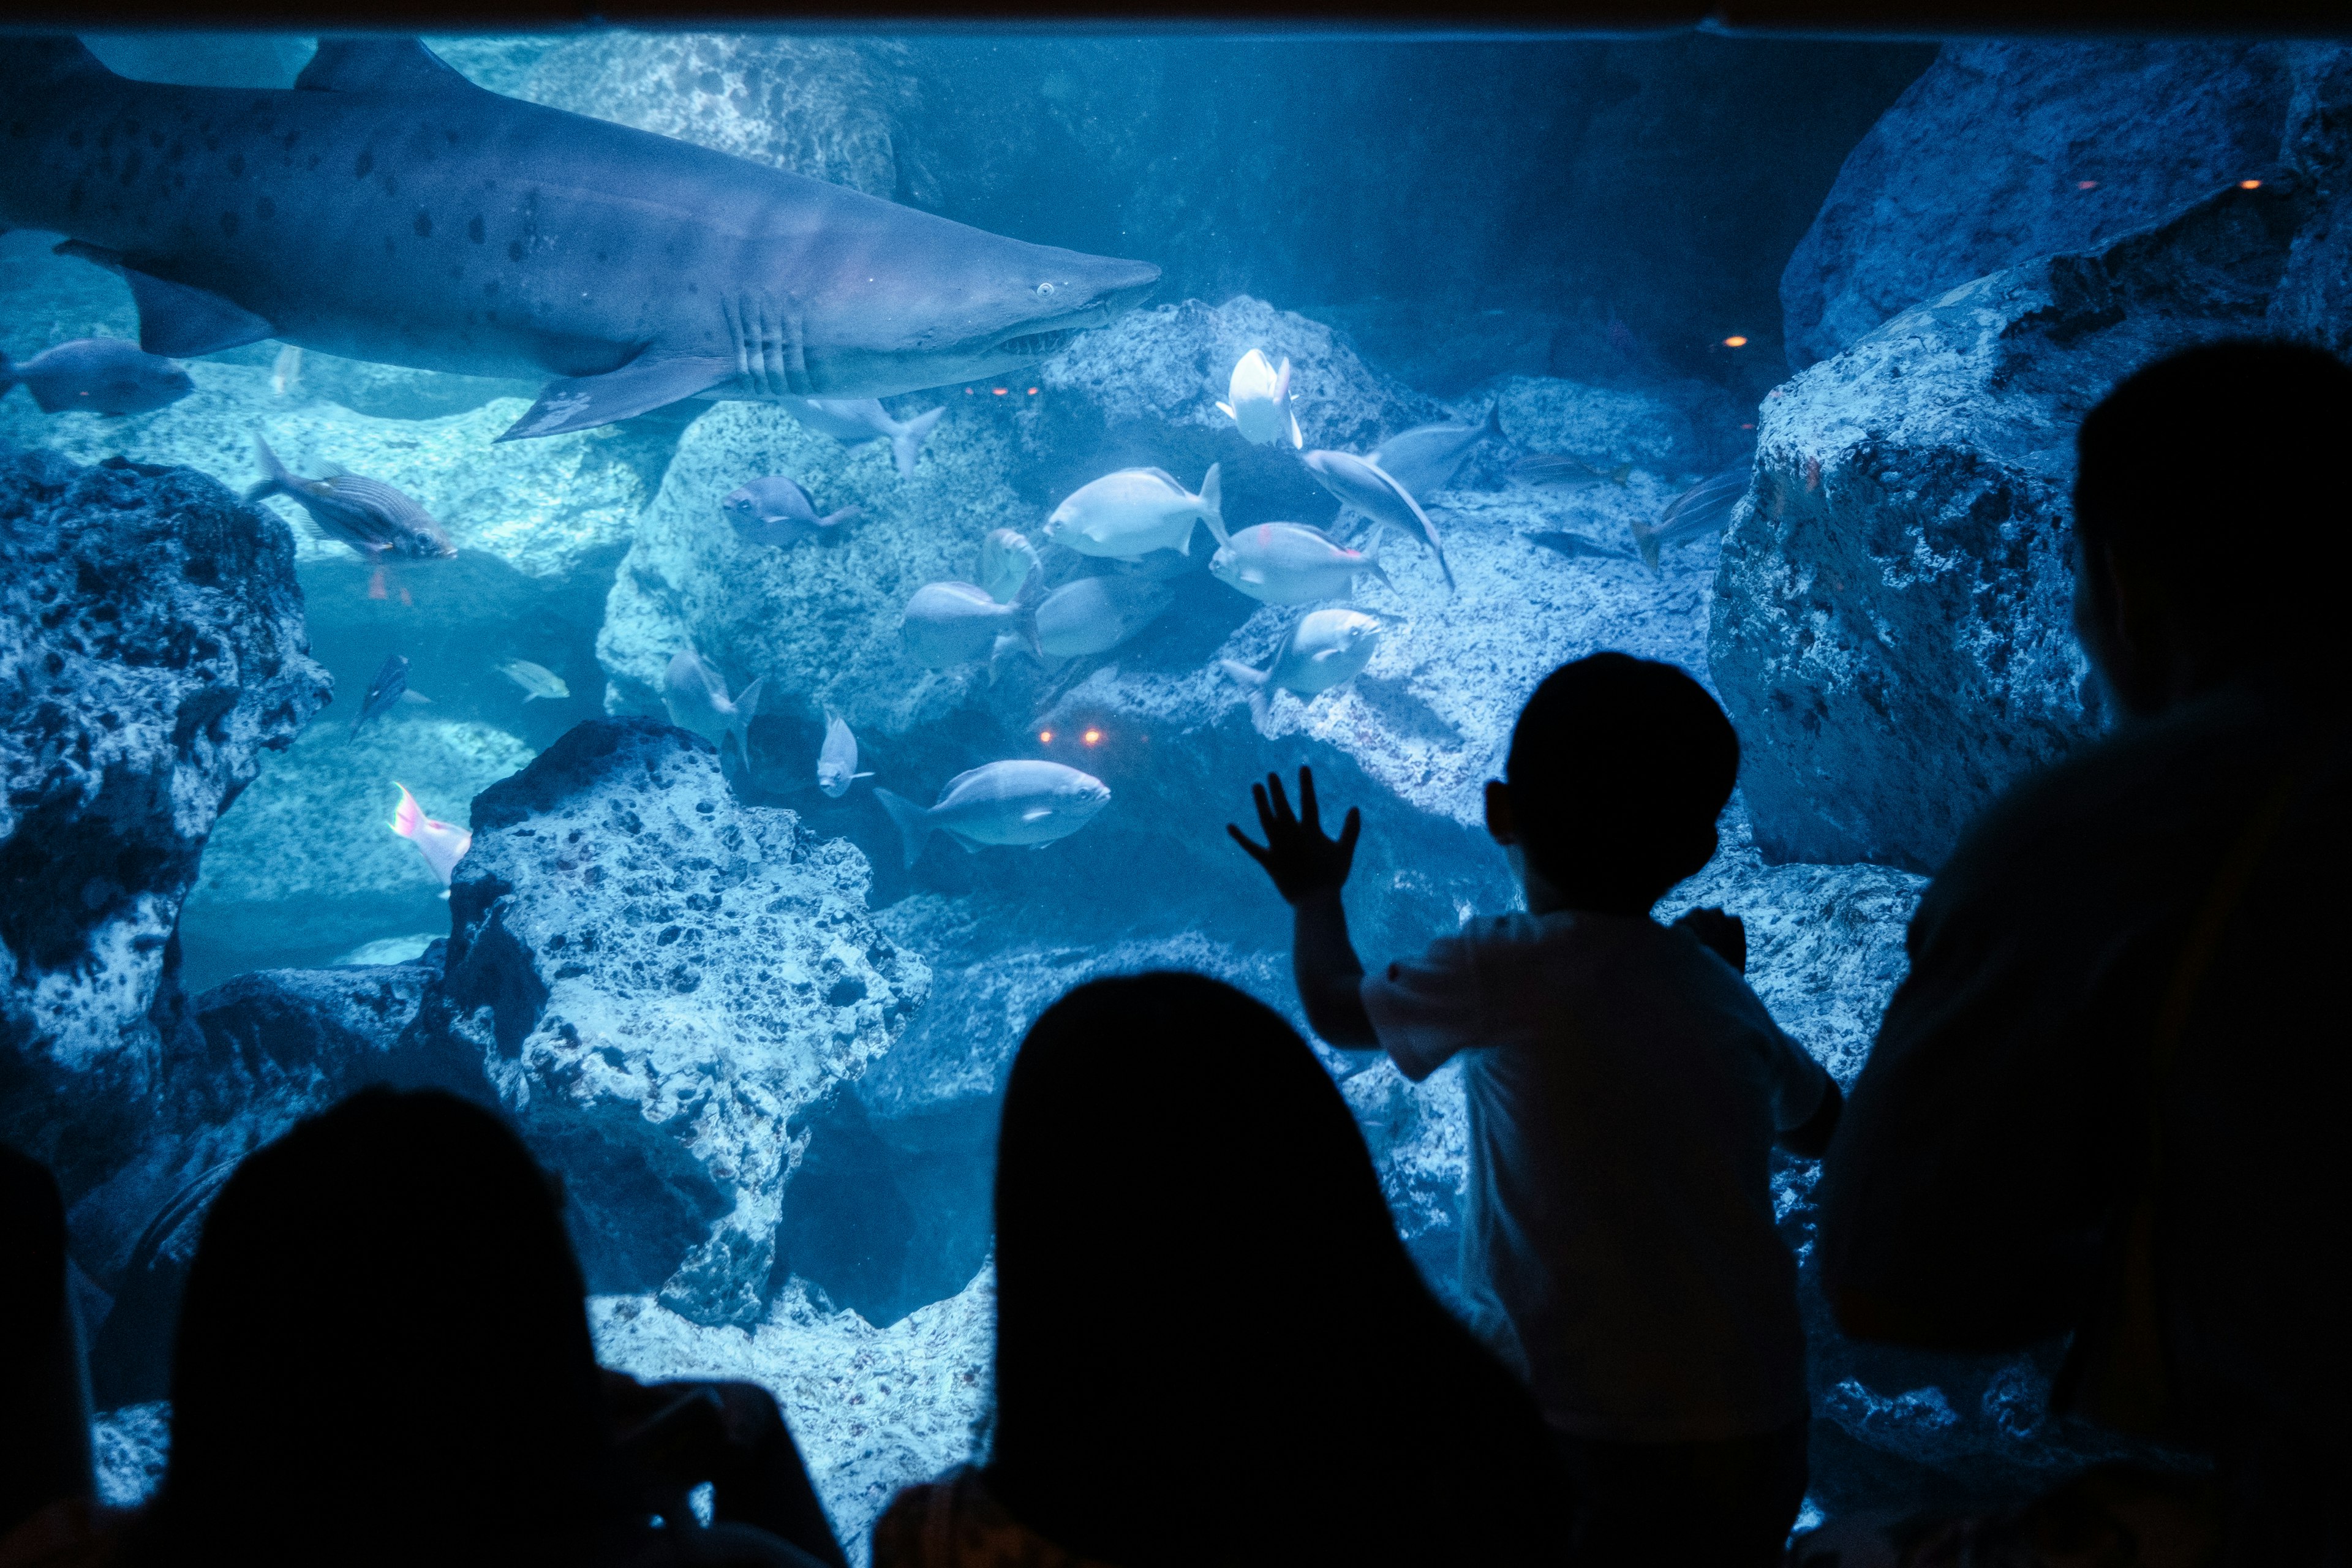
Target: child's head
x: 1619, y: 767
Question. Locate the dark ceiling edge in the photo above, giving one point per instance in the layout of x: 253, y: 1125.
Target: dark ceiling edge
x: 1858, y: 19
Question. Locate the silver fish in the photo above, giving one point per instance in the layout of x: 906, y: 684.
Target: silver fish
x: 855, y: 421
x: 390, y: 684
x: 947, y: 624
x: 1135, y: 511
x: 1290, y: 563
x: 1370, y: 489
x: 1322, y: 649
x: 1575, y: 544
x: 837, y: 760
x: 286, y: 372
x: 1094, y: 614
x: 775, y: 510
x: 1550, y: 470
x: 1424, y: 458
x: 369, y: 515
x: 1006, y: 559
x: 536, y: 679
x: 1260, y: 406
x: 1702, y: 509
x: 97, y: 375
x: 1012, y: 803
x: 696, y: 696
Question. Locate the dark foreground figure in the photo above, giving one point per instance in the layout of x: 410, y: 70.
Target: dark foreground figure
x: 1151, y: 1413
x: 383, y: 1358
x: 2109, y: 1099
x: 1625, y: 1090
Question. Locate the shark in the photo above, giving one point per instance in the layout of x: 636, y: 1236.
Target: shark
x: 385, y: 208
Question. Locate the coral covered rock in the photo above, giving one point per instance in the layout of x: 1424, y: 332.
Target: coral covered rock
x: 659, y: 981
x: 152, y: 647
x: 1892, y: 619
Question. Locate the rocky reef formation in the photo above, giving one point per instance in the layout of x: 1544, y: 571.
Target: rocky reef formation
x: 153, y: 645
x: 658, y: 981
x: 2004, y: 150
x: 1892, y: 615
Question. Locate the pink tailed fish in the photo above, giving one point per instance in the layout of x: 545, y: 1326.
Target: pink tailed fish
x: 443, y: 844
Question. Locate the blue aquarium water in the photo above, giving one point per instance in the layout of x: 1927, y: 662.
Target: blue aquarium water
x: 774, y: 556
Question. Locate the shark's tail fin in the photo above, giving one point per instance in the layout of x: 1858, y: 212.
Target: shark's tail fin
x: 908, y: 439
x: 1645, y: 539
x: 914, y: 824
x: 1257, y: 685
x: 274, y: 480
x: 1212, y: 504
x: 29, y: 62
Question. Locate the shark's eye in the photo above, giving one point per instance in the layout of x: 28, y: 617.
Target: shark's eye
x: 1044, y: 289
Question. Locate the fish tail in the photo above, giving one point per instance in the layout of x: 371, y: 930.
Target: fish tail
x: 747, y: 707
x: 1212, y: 503
x: 1645, y: 539
x: 914, y: 824
x: 908, y: 439
x: 274, y: 480
x: 1620, y: 474
x: 1493, y: 423
x: 1257, y: 684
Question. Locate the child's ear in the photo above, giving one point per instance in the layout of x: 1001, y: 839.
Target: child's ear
x: 1500, y: 824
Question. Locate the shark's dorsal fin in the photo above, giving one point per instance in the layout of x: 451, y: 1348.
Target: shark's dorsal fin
x: 378, y: 65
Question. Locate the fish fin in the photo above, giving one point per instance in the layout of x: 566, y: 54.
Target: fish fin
x: 1257, y: 685
x: 1227, y: 410
x: 1645, y: 539
x: 418, y: 697
x: 1493, y: 423
x: 275, y: 479
x: 1377, y: 570
x: 1037, y: 814
x: 908, y: 439
x: 175, y: 318
x: 866, y: 774
x: 378, y: 65
x: 584, y: 402
x: 30, y: 61
x: 1213, y: 505
x: 1621, y: 473
x: 969, y: 846
x: 914, y: 824
x: 747, y: 707
x: 1296, y: 440
x: 530, y: 698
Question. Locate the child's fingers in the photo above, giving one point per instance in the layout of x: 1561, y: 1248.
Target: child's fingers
x: 1281, y: 801
x: 1309, y: 814
x: 1348, y: 830
x: 1255, y: 853
x: 1266, y: 818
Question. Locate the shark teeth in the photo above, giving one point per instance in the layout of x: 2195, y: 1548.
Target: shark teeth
x: 1036, y: 346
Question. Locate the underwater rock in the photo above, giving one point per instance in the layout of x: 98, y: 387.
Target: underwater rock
x: 2039, y: 147
x: 307, y: 865
x: 826, y: 108
x: 1892, y: 617
x: 2314, y: 301
x: 872, y: 1409
x: 659, y: 981
x: 151, y: 632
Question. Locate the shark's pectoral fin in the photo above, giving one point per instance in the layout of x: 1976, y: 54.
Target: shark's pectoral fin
x: 585, y: 402
x: 175, y: 318
x: 378, y: 65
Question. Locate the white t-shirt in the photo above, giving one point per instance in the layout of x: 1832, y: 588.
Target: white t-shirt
x: 1624, y: 1086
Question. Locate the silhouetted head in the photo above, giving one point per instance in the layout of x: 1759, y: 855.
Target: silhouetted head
x: 1619, y: 767
x: 1211, y: 1344
x: 2210, y: 522
x: 44, y: 1402
x: 384, y: 1353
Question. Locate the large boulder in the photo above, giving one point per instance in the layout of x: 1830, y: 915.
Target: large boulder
x: 2004, y: 150
x: 152, y: 647
x: 1891, y: 613
x: 660, y: 982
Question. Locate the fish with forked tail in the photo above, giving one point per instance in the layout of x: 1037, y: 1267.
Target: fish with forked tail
x: 536, y: 679
x: 1130, y: 514
x: 856, y: 421
x: 1323, y: 649
x: 367, y: 514
x: 836, y: 760
x: 1698, y: 511
x: 1369, y: 488
x: 1424, y: 458
x: 775, y: 510
x: 97, y: 375
x: 389, y: 684
x: 696, y: 696
x: 1021, y: 802
x: 1291, y: 563
x: 443, y: 844
x: 947, y: 624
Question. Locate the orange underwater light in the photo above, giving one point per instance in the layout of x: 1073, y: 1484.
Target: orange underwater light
x: 1092, y: 737
x: 1735, y: 342
x: 2250, y: 185
x: 1044, y: 737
